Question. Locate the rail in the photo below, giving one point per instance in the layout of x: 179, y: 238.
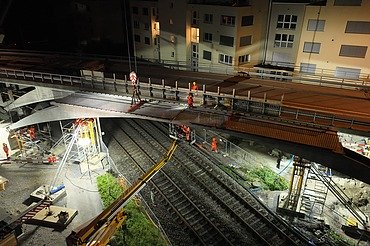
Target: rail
x: 254, y: 107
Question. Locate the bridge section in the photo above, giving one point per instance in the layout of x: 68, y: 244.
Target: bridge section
x: 230, y: 112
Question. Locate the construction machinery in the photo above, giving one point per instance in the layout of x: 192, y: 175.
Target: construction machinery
x: 99, y: 230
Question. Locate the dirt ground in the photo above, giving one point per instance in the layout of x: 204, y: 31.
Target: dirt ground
x: 335, y: 214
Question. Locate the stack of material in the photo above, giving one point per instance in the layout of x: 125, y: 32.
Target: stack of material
x: 3, y: 181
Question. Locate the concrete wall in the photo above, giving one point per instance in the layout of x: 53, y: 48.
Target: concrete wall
x: 276, y: 55
x: 143, y: 49
x: 334, y: 36
x: 259, y: 11
x: 173, y: 35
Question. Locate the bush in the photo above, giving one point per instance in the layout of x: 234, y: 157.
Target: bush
x: 137, y: 229
x: 267, y: 177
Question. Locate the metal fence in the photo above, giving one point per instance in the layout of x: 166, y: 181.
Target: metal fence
x: 227, y: 148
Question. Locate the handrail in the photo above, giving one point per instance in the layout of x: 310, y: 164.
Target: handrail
x: 342, y: 197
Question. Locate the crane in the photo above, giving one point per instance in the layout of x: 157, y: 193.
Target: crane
x: 99, y: 230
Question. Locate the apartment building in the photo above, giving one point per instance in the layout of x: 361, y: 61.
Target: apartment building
x: 145, y: 25
x: 218, y: 35
x: 335, y: 39
x: 203, y: 34
x: 283, y: 35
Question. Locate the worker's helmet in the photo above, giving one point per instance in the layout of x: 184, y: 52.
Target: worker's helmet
x: 194, y: 83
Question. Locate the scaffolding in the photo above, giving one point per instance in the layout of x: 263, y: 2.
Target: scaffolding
x: 315, y: 191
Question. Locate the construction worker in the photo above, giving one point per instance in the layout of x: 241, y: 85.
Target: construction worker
x: 194, y: 87
x: 32, y: 133
x: 190, y: 100
x: 214, y: 144
x: 6, y: 150
x: 52, y: 159
x: 135, y: 89
x: 186, y: 131
x: 280, y: 156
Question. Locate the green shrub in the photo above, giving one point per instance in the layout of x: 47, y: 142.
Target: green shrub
x: 267, y: 177
x: 137, y: 229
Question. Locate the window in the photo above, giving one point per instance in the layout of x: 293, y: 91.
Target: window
x: 316, y: 25
x: 347, y: 2
x: 172, y: 54
x: 207, y: 37
x: 287, y: 21
x: 135, y: 10
x: 147, y: 40
x: 227, y: 20
x: 361, y: 27
x: 247, y: 20
x: 145, y: 11
x: 194, y: 35
x: 226, y: 40
x: 245, y: 40
x: 208, y: 18
x: 244, y: 59
x: 171, y: 22
x: 195, y: 51
x: 345, y: 72
x: 137, y: 38
x: 226, y: 59
x: 310, y: 47
x: 136, y: 24
x: 207, y: 55
x: 284, y: 40
x: 307, y: 68
x: 195, y: 18
x: 353, y: 51
x: 171, y: 5
x: 146, y: 26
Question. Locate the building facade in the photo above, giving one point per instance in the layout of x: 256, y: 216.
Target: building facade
x: 335, y: 39
x: 204, y: 35
x: 283, y: 36
x: 221, y: 35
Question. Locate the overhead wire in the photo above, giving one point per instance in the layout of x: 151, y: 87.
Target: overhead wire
x: 127, y: 39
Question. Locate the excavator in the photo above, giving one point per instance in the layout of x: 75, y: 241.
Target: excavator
x: 99, y: 230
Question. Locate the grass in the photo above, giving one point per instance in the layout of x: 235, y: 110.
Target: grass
x: 266, y: 177
x: 137, y: 229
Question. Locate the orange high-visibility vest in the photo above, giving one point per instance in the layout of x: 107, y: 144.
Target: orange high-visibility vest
x: 214, y: 144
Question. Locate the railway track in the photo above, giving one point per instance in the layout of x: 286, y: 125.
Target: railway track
x: 191, y: 215
x: 194, y: 182
x: 248, y: 212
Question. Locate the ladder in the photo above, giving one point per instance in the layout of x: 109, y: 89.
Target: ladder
x: 31, y: 212
x: 315, y: 192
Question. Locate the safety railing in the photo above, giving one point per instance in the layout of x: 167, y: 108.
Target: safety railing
x: 255, y: 107
x: 318, y: 76
x: 228, y: 148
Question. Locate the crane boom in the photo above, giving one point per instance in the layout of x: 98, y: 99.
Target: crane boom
x: 99, y: 230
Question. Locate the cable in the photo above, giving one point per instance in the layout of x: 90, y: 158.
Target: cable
x: 291, y: 160
x: 127, y: 40
x: 65, y: 175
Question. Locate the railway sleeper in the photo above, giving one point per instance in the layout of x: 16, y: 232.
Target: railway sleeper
x: 184, y: 213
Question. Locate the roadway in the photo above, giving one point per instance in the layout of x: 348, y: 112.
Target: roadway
x: 330, y: 99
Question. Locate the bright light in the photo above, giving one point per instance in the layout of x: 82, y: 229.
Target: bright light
x: 84, y: 142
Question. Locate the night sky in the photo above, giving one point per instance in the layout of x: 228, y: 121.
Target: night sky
x: 54, y: 25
